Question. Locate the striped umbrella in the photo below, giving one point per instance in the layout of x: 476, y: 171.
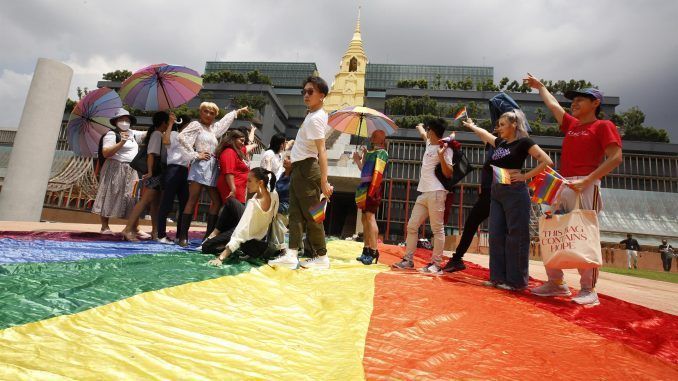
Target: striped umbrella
x: 361, y: 121
x: 160, y: 87
x: 90, y: 120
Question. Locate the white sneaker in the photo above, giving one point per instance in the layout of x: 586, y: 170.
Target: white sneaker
x: 551, y: 289
x: 321, y: 262
x: 431, y: 269
x: 288, y: 260
x: 143, y: 235
x: 166, y: 241
x: 587, y: 297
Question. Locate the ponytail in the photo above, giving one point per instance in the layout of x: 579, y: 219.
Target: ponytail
x: 266, y: 176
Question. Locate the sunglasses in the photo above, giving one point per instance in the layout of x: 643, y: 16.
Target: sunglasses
x: 309, y: 92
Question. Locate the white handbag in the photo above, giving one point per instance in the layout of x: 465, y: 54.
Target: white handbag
x: 571, y: 240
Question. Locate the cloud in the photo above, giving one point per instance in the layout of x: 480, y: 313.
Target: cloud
x: 13, y: 90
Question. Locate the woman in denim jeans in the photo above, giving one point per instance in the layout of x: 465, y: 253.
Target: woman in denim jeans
x: 510, y: 205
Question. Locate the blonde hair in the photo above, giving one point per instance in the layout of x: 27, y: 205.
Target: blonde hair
x: 211, y: 106
x: 518, y: 117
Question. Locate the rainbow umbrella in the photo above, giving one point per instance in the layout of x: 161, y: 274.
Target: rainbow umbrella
x: 90, y: 120
x: 160, y: 87
x: 361, y: 121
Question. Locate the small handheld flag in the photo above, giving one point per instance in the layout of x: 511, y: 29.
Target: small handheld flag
x: 461, y: 113
x: 546, y: 186
x: 501, y: 175
x: 318, y: 211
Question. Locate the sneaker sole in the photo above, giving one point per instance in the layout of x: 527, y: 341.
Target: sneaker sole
x: 596, y: 303
x: 552, y: 294
x: 285, y: 265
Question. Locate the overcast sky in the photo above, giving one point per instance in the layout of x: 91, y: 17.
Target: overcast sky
x: 628, y: 48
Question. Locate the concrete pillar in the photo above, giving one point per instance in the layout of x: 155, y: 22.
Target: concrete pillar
x: 23, y: 192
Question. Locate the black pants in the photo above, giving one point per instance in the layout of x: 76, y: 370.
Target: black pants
x: 229, y: 217
x: 666, y: 261
x: 174, y: 184
x: 479, y: 213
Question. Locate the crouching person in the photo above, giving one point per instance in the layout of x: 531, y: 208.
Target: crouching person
x: 246, y: 229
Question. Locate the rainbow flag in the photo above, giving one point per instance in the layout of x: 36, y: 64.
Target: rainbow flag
x: 501, y: 175
x: 86, y: 306
x: 318, y: 211
x: 361, y: 196
x: 461, y: 113
x: 546, y: 186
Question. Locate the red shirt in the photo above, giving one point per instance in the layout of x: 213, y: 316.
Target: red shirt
x: 231, y: 164
x: 584, y: 145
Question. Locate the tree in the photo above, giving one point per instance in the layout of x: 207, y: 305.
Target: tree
x: 632, y: 128
x: 117, y: 76
x: 81, y: 92
x: 254, y: 102
x: 502, y: 84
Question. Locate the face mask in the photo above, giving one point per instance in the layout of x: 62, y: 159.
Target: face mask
x: 123, y: 125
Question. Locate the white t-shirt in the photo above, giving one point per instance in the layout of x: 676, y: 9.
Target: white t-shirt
x: 254, y: 223
x: 273, y: 162
x: 129, y: 150
x: 312, y: 129
x: 175, y: 153
x: 428, y: 182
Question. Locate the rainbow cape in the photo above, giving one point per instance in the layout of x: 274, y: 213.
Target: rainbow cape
x: 371, y: 176
x: 545, y: 186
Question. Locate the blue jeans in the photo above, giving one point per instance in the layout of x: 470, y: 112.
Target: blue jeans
x: 510, y: 234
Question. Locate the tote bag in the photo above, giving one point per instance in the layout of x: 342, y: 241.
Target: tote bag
x: 571, y: 240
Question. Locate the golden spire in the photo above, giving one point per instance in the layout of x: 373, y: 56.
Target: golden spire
x: 356, y: 44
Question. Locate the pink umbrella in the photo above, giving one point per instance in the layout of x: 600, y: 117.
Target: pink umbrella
x: 160, y: 87
x: 90, y: 120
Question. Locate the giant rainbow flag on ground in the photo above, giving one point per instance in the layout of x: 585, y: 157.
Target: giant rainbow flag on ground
x: 85, y: 306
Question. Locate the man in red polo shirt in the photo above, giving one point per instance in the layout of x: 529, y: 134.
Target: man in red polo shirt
x: 591, y: 150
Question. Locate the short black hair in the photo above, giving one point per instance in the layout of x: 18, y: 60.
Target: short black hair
x: 318, y: 82
x: 159, y: 118
x: 438, y: 125
x: 276, y: 141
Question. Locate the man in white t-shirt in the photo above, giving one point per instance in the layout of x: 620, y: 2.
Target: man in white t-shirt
x: 308, y: 181
x: 431, y: 201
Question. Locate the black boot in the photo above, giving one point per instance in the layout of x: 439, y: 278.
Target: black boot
x: 182, y: 231
x: 371, y: 257
x: 363, y: 255
x: 211, y: 223
x: 454, y: 264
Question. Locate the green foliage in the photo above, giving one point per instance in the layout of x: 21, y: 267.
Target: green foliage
x: 632, y: 128
x: 225, y: 76
x: 81, y: 92
x: 488, y: 85
x: 410, y: 122
x: 411, y: 106
x: 413, y: 83
x: 117, y: 76
x: 254, y: 102
x: 541, y: 129
x: 70, y: 105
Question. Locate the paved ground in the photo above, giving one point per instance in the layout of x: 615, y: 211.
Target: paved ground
x: 654, y: 294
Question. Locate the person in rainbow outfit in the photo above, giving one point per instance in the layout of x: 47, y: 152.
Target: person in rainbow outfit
x: 372, y: 166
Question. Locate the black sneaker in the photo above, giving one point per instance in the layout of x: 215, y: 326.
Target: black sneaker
x: 454, y: 265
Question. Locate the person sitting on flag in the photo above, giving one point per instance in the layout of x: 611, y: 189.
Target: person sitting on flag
x: 510, y: 200
x: 246, y: 229
x: 372, y: 166
x: 308, y: 181
x: 431, y: 202
x: 587, y: 141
